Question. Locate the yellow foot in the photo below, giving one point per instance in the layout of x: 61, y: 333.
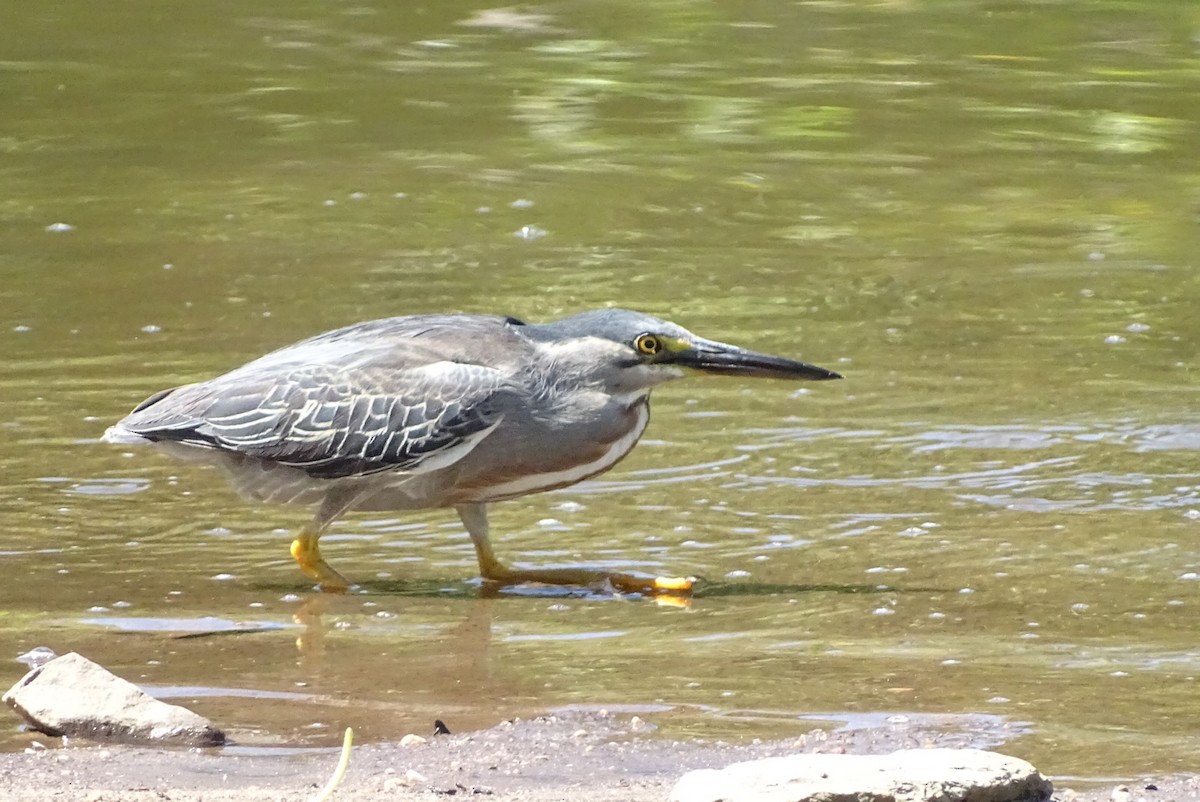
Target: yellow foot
x: 308, y: 556
x: 625, y: 583
x: 653, y: 586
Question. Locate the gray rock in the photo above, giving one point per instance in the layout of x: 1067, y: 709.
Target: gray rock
x: 910, y: 775
x: 71, y: 695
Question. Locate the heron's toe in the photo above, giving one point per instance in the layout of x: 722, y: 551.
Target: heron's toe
x: 652, y: 585
x: 674, y: 584
x: 333, y: 583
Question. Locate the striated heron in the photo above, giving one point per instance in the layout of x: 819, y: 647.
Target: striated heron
x: 440, y: 411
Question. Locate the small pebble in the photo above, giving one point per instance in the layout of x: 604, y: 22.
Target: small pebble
x: 36, y: 657
x: 412, y: 740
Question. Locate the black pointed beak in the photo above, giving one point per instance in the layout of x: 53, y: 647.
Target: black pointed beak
x: 714, y: 357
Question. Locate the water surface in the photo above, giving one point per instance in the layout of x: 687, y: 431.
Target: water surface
x: 981, y: 212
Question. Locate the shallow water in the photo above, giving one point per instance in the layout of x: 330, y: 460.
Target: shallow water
x: 982, y: 213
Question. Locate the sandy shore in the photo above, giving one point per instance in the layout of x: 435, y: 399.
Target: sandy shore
x: 575, y: 756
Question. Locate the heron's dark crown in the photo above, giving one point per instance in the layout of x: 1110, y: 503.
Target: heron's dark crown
x: 618, y: 325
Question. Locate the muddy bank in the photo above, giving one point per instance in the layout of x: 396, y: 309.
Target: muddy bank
x: 594, y: 756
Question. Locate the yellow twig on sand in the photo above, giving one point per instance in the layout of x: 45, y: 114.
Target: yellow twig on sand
x: 340, y: 771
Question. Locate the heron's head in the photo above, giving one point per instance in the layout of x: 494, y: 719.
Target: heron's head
x: 631, y: 351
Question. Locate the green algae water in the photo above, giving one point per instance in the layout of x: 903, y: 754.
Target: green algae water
x: 982, y: 213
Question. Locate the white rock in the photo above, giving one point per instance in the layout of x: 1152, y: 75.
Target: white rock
x: 911, y: 775
x: 71, y: 695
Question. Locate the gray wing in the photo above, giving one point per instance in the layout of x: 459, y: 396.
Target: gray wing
x: 332, y: 422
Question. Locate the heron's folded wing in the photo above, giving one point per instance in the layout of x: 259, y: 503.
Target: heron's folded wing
x: 334, y: 422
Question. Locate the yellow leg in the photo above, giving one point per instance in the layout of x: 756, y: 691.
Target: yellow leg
x: 305, y: 549
x: 307, y: 553
x: 474, y: 517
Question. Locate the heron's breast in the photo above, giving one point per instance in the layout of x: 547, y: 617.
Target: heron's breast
x: 559, y: 462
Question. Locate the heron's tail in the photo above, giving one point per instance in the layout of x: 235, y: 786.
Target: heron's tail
x: 119, y: 435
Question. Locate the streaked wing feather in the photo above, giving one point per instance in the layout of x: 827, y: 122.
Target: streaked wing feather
x: 333, y: 422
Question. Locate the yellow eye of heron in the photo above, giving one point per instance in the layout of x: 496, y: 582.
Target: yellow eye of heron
x: 648, y: 344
